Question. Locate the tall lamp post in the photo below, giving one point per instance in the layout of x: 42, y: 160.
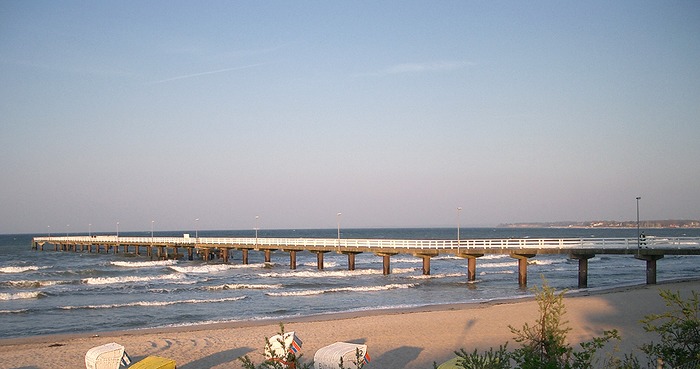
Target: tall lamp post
x: 196, y: 229
x: 152, y: 223
x: 117, y: 230
x: 338, y: 219
x: 257, y: 220
x: 89, y: 229
x: 638, y: 198
x: 459, y: 210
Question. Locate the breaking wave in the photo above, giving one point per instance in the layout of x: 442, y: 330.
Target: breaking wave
x: 154, y: 303
x: 21, y: 295
x: 132, y: 279
x: 342, y: 289
x: 143, y: 264
x: 20, y: 269
x: 245, y: 287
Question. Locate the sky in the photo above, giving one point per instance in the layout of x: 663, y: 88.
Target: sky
x: 393, y: 113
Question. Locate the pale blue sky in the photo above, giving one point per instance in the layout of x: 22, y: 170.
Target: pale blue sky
x: 392, y: 112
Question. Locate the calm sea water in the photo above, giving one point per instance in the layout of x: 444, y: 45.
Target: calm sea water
x: 66, y: 292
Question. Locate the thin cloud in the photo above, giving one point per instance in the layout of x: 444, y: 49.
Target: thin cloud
x: 194, y: 75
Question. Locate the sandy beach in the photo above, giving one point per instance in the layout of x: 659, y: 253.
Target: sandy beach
x: 396, y: 339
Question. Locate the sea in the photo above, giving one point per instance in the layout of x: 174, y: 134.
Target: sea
x: 53, y: 292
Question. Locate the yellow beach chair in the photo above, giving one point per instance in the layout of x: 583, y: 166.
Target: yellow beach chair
x: 154, y: 362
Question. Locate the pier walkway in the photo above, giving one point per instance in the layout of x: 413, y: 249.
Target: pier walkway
x: 649, y: 250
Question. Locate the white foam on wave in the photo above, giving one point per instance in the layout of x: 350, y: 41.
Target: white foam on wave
x: 437, y: 276
x: 239, y: 286
x: 212, y: 268
x: 154, y: 303
x: 342, y: 289
x: 504, y: 264
x: 143, y: 264
x: 32, y: 284
x: 18, y: 311
x: 326, y: 264
x: 20, y: 295
x: 321, y: 274
x: 20, y: 269
x: 132, y: 279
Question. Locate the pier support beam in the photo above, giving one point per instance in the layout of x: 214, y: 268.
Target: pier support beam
x: 651, y: 266
x: 319, y: 259
x: 268, y: 254
x: 471, y: 265
x: 224, y: 253
x: 582, y: 268
x: 190, y: 253
x: 351, y: 259
x: 522, y: 267
x: 386, y: 264
x: 292, y: 259
x: 245, y: 256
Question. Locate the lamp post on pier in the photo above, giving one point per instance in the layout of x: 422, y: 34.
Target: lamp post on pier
x: 196, y: 229
x: 459, y: 210
x: 638, y: 235
x: 117, y: 230
x: 257, y: 221
x: 338, y: 219
x: 89, y: 229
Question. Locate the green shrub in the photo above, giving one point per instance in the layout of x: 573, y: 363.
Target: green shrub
x: 679, y: 330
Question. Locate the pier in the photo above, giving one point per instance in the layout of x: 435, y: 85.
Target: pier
x: 650, y: 250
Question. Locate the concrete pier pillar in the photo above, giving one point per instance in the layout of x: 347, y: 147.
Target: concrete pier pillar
x: 351, y: 261
x: 651, y: 266
x: 582, y: 268
x: 319, y: 260
x: 292, y: 259
x: 245, y: 256
x: 426, y: 265
x: 471, y: 269
x: 522, y: 267
x: 386, y: 264
x: 225, y: 254
x: 268, y: 255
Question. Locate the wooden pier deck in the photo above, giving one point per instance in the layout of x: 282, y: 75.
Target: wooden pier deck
x: 649, y: 250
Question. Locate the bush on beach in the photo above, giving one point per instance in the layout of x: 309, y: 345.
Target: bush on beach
x: 544, y: 345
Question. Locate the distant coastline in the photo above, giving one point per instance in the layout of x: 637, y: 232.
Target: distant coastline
x: 669, y: 223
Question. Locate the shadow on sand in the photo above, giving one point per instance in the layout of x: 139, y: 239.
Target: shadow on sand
x: 215, y: 359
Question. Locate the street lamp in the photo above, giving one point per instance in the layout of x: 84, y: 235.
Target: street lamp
x: 67, y: 228
x: 152, y: 222
x: 117, y: 229
x: 459, y: 210
x: 89, y: 229
x: 196, y: 228
x: 257, y: 220
x: 49, y: 230
x: 638, y: 198
x: 338, y: 219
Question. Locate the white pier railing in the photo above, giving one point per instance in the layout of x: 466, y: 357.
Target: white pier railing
x: 487, y: 243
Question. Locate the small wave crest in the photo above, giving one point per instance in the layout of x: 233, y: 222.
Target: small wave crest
x: 31, y: 284
x: 154, y: 303
x: 321, y: 274
x: 245, y: 287
x: 20, y: 295
x: 20, y: 269
x: 212, y: 268
x: 342, y: 289
x: 132, y: 279
x: 143, y: 264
